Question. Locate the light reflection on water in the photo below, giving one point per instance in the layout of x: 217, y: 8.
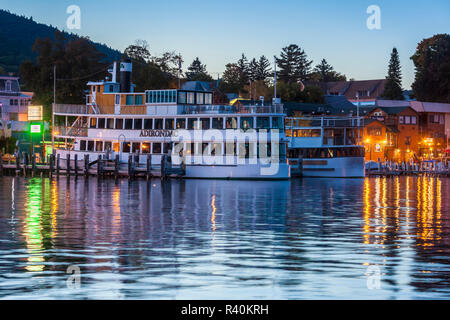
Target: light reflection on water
x: 310, y: 238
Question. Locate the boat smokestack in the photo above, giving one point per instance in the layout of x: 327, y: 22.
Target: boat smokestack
x: 126, y: 68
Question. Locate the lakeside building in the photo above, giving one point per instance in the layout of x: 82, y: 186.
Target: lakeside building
x: 392, y: 133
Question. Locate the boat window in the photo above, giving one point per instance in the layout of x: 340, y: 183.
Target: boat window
x: 200, y: 98
x: 230, y: 148
x: 190, y: 98
x: 192, y: 123
x: 277, y: 123
x: 138, y: 100
x: 119, y: 124
x: 138, y: 124
x: 99, y: 146
x: 93, y: 123
x: 158, y: 124
x: 146, y: 148
x: 116, y: 147
x: 282, y: 151
x: 110, y: 123
x: 126, y: 147
x: 83, y: 145
x: 101, y: 123
x: 169, y: 124
x: 263, y: 122
x: 216, y: 149
x: 129, y: 100
x: 246, y: 123
x: 217, y: 123
x: 136, y: 147
x: 181, y: 123
x: 205, y: 125
x: 208, y: 98
x: 90, y: 145
x: 148, y: 124
x: 107, y: 145
x: 128, y: 124
x: 157, y: 148
x: 167, y: 148
x: 181, y: 97
x: 231, y: 123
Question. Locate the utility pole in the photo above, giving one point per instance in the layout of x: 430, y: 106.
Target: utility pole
x: 53, y: 108
x: 275, y: 77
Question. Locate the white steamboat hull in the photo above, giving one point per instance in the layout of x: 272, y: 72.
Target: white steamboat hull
x: 349, y: 167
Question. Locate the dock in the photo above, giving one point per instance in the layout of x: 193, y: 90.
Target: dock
x: 26, y: 165
x: 428, y: 168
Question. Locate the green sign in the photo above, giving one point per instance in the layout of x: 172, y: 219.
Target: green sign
x: 35, y: 128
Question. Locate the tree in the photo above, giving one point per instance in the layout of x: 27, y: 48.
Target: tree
x: 294, y: 64
x: 76, y: 60
x: 197, y: 72
x: 432, y: 65
x: 324, y: 72
x: 293, y: 92
x: 138, y: 52
x: 2, y: 71
x: 393, y: 87
x: 231, y: 82
x: 170, y: 63
x: 243, y: 65
x: 252, y: 70
x: 263, y: 71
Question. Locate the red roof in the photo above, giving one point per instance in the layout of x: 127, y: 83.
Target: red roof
x: 368, y: 89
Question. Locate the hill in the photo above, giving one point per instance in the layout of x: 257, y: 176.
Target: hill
x: 18, y: 35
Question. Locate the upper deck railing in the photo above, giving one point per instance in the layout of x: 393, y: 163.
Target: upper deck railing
x: 323, y: 122
x: 180, y: 109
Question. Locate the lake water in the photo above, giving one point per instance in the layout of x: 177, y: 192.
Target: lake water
x: 373, y: 238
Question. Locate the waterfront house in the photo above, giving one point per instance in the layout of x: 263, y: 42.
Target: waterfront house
x: 401, y: 133
x: 13, y: 102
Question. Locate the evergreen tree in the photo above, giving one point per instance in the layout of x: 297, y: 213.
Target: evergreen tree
x: 324, y: 72
x: 197, y: 72
x: 294, y: 64
x: 393, y: 88
x: 263, y: 71
x: 242, y: 63
x: 252, y: 70
x: 231, y: 78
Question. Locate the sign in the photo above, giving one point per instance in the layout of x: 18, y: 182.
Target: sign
x: 35, y: 113
x: 156, y: 133
x: 35, y: 128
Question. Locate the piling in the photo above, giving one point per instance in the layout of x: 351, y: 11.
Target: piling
x: 163, y: 167
x: 76, y: 166
x: 99, y: 166
x: 116, y: 166
x: 33, y: 165
x: 68, y: 165
x: 86, y: 165
x: 58, y: 164
x: 1, y: 164
x: 52, y: 164
x: 149, y: 166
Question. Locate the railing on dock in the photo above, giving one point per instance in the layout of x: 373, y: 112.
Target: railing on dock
x: 390, y: 168
x: 28, y: 165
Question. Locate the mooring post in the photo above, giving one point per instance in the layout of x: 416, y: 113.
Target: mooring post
x: 25, y: 164
x: 58, y: 164
x: 1, y: 164
x: 17, y: 163
x: 68, y: 165
x: 33, y: 165
x: 99, y: 165
x: 116, y: 166
x: 149, y: 166
x: 51, y: 164
x: 86, y: 165
x: 76, y: 165
x: 300, y: 164
x: 163, y: 166
x: 130, y: 166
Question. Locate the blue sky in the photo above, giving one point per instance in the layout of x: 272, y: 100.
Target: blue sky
x: 219, y: 31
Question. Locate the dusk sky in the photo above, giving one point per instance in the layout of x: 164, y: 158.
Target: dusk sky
x: 219, y: 31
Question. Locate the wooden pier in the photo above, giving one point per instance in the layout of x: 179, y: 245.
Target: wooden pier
x: 429, y: 168
x: 26, y: 165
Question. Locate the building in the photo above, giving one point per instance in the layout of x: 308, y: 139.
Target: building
x: 367, y: 90
x: 392, y: 133
x: 13, y: 102
x: 434, y: 125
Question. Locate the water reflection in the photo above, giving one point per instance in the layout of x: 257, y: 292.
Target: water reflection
x: 225, y: 239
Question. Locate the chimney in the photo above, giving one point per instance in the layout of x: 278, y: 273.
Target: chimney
x: 126, y: 68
